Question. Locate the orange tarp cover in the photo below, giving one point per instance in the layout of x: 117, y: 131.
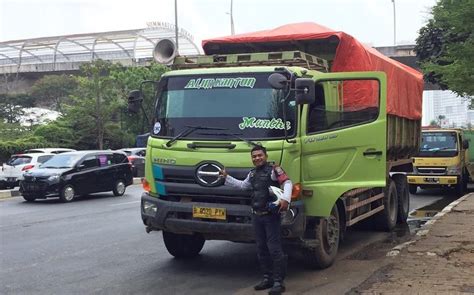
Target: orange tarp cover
x: 404, y: 84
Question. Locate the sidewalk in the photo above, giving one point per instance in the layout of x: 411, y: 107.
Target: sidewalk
x: 439, y: 261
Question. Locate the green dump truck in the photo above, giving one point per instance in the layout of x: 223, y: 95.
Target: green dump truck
x: 345, y: 145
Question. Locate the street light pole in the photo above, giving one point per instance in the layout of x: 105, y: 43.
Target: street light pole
x: 232, y: 32
x: 176, y: 23
x: 394, y: 25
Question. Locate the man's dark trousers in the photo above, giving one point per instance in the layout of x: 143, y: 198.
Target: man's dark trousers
x: 269, y: 247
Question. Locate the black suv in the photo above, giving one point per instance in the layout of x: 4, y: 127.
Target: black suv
x: 77, y: 173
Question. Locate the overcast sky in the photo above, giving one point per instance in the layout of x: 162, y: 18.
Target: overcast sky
x: 370, y: 21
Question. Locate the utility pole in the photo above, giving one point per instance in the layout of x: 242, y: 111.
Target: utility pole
x: 394, y: 25
x: 176, y: 23
x: 232, y: 32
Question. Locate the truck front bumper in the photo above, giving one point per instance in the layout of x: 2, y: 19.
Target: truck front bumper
x: 429, y: 180
x: 177, y: 217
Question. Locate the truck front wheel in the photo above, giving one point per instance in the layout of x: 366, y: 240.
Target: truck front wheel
x: 459, y: 188
x: 412, y: 188
x: 322, y: 240
x: 183, y: 246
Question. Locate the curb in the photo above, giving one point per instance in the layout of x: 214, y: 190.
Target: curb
x: 137, y: 180
x: 425, y: 228
x: 5, y: 194
x: 10, y: 193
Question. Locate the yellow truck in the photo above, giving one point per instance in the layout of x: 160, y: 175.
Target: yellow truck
x: 442, y: 161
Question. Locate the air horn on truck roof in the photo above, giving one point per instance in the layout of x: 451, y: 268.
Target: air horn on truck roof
x: 165, y: 51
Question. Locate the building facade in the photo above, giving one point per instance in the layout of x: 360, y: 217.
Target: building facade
x: 454, y: 110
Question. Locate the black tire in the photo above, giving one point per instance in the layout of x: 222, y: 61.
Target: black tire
x: 29, y: 198
x: 466, y: 180
x: 387, y: 218
x: 67, y: 193
x: 459, y: 188
x: 412, y: 188
x: 403, y: 198
x: 323, y: 242
x: 119, y: 188
x: 183, y: 246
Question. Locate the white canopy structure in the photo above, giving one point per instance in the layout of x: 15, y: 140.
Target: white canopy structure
x: 62, y: 53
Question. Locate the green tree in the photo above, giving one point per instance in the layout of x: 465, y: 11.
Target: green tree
x: 11, y: 111
x: 445, y: 47
x: 56, y: 133
x: 131, y: 79
x: 96, y: 105
x: 433, y: 123
x: 11, y: 106
x: 53, y: 91
x: 440, y: 119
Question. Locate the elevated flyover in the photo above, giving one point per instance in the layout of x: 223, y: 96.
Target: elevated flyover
x: 24, y: 61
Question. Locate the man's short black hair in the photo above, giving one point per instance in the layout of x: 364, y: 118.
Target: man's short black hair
x: 259, y: 148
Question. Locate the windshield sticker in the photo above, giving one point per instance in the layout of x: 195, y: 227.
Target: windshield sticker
x: 239, y: 82
x: 264, y: 123
x: 157, y: 128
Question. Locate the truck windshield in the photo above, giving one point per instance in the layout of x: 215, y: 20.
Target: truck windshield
x: 438, y: 144
x: 243, y: 104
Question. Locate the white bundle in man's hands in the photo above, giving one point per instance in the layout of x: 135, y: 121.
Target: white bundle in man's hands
x: 278, y: 192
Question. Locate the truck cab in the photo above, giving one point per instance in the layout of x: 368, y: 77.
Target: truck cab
x: 442, y: 161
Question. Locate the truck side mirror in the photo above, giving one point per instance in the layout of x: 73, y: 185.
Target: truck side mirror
x: 465, y: 144
x: 277, y: 81
x: 305, y: 93
x: 134, y: 101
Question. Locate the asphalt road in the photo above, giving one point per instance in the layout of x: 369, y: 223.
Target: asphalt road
x: 98, y: 245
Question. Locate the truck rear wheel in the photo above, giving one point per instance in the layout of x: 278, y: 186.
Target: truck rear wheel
x: 183, y: 246
x: 387, y: 218
x: 403, y: 198
x: 412, y: 188
x: 323, y: 241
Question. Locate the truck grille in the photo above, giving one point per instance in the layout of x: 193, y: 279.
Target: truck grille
x: 180, y: 184
x: 432, y: 170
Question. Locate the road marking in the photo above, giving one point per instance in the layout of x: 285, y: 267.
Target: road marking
x: 125, y: 203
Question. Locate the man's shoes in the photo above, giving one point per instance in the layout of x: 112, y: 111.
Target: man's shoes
x: 277, y: 288
x: 266, y: 283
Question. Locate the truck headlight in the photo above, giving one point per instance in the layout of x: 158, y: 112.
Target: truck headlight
x: 453, y: 170
x: 53, y: 178
x: 149, y: 208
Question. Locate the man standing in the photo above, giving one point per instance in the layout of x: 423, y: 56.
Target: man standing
x: 266, y: 221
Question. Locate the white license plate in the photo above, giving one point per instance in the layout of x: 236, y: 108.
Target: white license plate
x: 431, y: 179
